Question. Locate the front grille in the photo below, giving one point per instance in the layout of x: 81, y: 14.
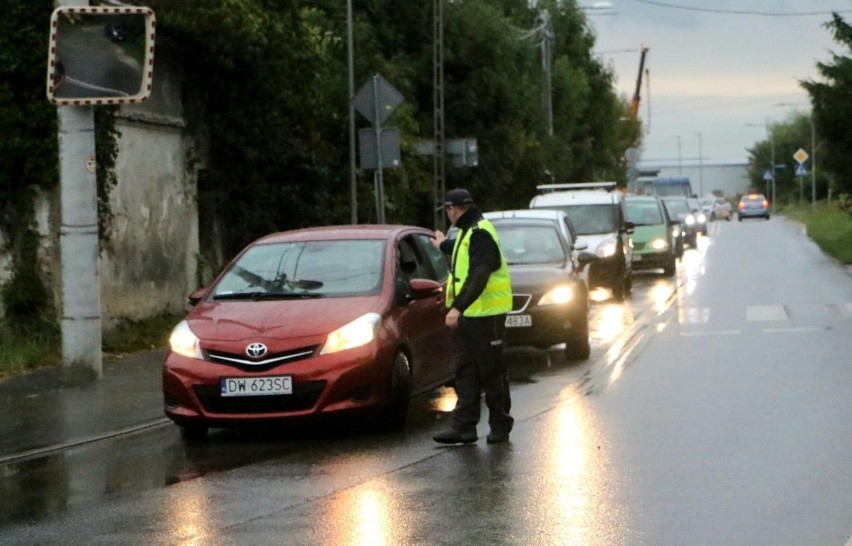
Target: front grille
x: 304, y: 397
x: 520, y: 302
x: 638, y: 246
x: 243, y: 362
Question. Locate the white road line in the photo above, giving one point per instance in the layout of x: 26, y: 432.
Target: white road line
x: 713, y: 333
x: 763, y: 313
x: 792, y: 330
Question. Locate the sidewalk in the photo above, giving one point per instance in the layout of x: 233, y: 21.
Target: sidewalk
x: 38, y: 412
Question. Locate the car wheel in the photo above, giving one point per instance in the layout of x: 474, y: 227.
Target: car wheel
x: 577, y: 346
x: 394, y: 415
x: 193, y: 432
x: 670, y: 268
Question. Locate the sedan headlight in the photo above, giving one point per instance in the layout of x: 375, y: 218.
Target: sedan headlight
x: 702, y: 218
x: 659, y: 244
x: 184, y: 342
x: 360, y: 331
x: 559, y: 295
x: 607, y: 248
x: 690, y: 219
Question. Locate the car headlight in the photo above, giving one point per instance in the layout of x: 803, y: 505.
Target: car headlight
x: 676, y: 231
x: 184, y: 342
x: 360, y: 331
x: 702, y: 219
x: 659, y: 244
x: 557, y: 295
x: 690, y: 219
x: 607, y: 248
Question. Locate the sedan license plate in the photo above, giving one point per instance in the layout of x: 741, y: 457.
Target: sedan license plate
x: 518, y: 321
x: 256, y: 386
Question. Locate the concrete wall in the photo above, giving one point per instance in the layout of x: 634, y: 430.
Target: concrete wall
x: 150, y: 263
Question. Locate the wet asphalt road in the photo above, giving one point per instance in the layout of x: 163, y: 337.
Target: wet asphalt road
x: 714, y: 410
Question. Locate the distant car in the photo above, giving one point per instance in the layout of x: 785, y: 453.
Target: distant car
x: 654, y: 240
x: 701, y: 218
x: 313, y: 323
x: 753, y: 205
x: 116, y: 32
x: 719, y: 208
x: 596, y: 210
x: 550, y: 298
x: 678, y: 208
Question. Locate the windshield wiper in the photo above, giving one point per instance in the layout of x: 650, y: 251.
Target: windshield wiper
x: 257, y: 295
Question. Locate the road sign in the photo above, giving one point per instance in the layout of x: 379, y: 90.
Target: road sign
x: 801, y: 156
x: 377, y: 94
x: 369, y: 152
x: 767, y: 176
x: 801, y: 170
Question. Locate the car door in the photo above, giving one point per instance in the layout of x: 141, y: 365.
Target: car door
x: 422, y: 320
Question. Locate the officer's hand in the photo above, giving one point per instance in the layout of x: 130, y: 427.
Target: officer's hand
x: 452, y: 319
x: 439, y: 238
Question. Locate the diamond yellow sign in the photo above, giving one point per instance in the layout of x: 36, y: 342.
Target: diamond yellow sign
x: 801, y: 156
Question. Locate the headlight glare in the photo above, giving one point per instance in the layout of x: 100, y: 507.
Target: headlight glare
x: 690, y: 220
x: 184, y: 342
x: 558, y: 295
x: 659, y: 244
x: 607, y: 248
x: 360, y: 331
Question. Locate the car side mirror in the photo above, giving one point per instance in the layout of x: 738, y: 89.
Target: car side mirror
x: 586, y: 258
x: 424, y: 288
x: 629, y: 227
x: 196, y: 296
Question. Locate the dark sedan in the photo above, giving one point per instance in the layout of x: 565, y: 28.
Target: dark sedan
x: 313, y: 323
x: 550, y: 296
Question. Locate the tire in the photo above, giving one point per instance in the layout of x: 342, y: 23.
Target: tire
x: 670, y: 268
x: 193, y: 432
x: 577, y: 346
x: 394, y: 416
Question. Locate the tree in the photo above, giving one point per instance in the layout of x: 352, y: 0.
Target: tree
x: 832, y: 108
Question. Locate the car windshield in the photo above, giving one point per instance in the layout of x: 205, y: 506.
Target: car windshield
x: 528, y: 244
x: 644, y: 213
x: 305, y: 269
x: 592, y: 219
x: 677, y: 207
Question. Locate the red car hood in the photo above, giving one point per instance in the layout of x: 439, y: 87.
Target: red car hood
x: 281, y: 319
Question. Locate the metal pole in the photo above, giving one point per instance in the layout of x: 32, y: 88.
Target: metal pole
x: 678, y: 155
x: 772, y: 140
x: 353, y: 178
x: 813, y: 162
x: 439, y: 165
x: 378, y: 127
x: 82, y: 359
x: 700, y: 169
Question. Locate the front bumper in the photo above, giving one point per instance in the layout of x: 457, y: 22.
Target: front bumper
x: 550, y: 325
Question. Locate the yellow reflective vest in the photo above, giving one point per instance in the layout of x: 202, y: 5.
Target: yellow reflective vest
x: 496, y: 298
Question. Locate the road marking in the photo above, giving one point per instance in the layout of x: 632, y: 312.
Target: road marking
x: 792, y: 330
x: 765, y: 313
x: 694, y: 315
x: 713, y: 333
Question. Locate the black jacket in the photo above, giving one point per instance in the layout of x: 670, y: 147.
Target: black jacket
x: 484, y: 258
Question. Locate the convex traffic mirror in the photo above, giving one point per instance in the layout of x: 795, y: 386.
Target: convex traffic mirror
x: 100, y: 55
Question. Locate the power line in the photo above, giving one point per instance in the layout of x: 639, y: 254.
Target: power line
x: 741, y: 12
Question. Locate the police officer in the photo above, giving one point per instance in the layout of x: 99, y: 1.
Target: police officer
x: 479, y: 294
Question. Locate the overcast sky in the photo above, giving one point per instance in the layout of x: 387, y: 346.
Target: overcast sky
x: 714, y: 73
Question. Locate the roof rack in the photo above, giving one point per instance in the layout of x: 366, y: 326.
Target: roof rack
x: 545, y: 188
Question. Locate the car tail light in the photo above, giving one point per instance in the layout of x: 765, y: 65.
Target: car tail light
x: 741, y: 206
x: 765, y: 204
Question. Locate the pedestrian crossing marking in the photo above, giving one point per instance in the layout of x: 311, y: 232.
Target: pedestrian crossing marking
x: 764, y: 313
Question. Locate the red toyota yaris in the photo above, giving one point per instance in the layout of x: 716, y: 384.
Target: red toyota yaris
x: 310, y: 323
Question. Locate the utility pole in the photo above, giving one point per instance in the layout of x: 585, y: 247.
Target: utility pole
x: 438, y: 163
x: 700, y: 169
x: 353, y: 177
x: 82, y: 359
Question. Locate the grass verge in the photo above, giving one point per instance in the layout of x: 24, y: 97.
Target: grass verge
x: 829, y: 226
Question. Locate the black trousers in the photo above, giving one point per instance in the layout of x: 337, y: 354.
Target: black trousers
x: 480, y: 369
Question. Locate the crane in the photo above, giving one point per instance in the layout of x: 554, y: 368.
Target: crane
x: 634, y: 103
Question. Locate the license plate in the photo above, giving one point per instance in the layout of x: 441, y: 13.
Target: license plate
x: 256, y: 386
x: 637, y: 257
x: 518, y: 321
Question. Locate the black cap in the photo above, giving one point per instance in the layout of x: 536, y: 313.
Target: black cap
x: 458, y: 197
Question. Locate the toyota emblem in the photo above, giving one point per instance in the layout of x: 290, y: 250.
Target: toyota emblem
x: 256, y: 350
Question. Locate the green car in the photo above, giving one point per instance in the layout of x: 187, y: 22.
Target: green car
x: 654, y: 243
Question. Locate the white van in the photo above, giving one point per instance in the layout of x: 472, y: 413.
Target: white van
x: 597, y: 212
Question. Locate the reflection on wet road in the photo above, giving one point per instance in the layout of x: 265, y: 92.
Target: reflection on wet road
x: 87, y: 475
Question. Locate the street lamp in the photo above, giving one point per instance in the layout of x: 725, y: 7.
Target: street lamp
x: 679, y: 170
x: 700, y: 169
x: 813, y: 149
